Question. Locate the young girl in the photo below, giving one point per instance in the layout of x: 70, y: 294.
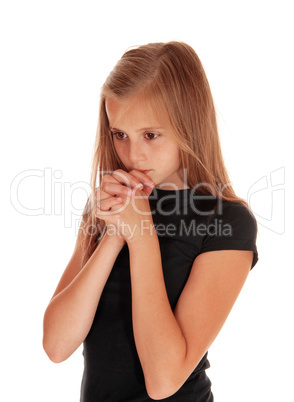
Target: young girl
x: 165, y: 245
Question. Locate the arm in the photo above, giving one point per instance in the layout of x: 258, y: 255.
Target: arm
x: 70, y: 313
x: 170, y: 345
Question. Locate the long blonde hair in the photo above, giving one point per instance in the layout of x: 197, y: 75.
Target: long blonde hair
x: 172, y: 79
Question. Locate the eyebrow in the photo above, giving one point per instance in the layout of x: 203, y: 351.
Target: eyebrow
x: 140, y: 129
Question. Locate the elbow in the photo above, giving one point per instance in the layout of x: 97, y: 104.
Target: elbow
x: 55, y: 353
x: 164, y: 381
x: 162, y: 390
x: 162, y: 393
x: 54, y: 345
x: 55, y: 358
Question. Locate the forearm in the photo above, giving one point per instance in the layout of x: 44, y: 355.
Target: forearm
x: 159, y: 340
x: 69, y: 315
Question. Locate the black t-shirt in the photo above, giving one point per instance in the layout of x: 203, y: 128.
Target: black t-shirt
x: 187, y: 224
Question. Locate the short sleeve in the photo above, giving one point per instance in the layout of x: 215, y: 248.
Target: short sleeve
x: 231, y: 227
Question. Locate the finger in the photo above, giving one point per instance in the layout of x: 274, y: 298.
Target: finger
x: 145, y: 192
x: 142, y: 177
x: 100, y: 194
x: 108, y: 178
x: 108, y: 203
x: 102, y: 213
x: 127, y: 179
x: 147, y: 182
x: 119, y: 207
x: 117, y: 189
x: 99, y: 213
x: 148, y: 190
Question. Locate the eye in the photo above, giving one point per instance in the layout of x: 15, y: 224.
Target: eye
x: 151, y: 136
x: 119, y: 135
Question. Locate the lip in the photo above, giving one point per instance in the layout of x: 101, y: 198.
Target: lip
x: 145, y: 171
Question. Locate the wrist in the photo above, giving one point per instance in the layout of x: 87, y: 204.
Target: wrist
x: 143, y: 233
x: 114, y: 238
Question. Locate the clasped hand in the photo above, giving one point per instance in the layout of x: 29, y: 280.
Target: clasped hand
x: 122, y: 202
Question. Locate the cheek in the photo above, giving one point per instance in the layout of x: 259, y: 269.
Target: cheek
x: 174, y: 154
x: 179, y: 157
x: 167, y: 154
x: 119, y: 150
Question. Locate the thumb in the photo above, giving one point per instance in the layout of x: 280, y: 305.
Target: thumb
x: 148, y: 188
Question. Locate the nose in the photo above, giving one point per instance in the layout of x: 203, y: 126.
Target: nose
x: 136, y: 152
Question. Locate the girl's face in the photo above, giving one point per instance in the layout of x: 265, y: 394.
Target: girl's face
x: 143, y: 143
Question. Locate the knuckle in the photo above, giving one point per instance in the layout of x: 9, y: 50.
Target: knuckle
x: 99, y: 194
x: 121, y: 173
x: 105, y: 179
x: 135, y: 178
x: 97, y: 197
x: 104, y: 205
x: 138, y: 185
x: 97, y: 213
x: 126, y: 190
x: 118, y: 172
x: 134, y: 173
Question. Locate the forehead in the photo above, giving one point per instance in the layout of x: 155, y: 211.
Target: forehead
x: 135, y: 111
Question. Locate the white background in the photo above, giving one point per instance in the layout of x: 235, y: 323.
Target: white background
x: 54, y: 58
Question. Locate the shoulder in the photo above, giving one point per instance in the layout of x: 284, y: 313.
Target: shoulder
x: 232, y: 226
x: 238, y: 216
